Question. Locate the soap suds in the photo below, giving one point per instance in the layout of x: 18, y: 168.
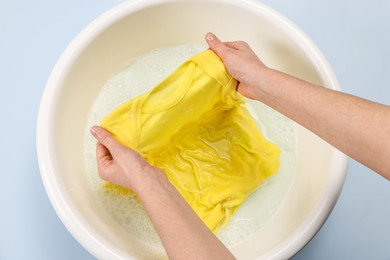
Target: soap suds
x: 141, y: 76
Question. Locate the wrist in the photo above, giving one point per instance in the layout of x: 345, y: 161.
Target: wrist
x: 150, y: 179
x: 258, y: 87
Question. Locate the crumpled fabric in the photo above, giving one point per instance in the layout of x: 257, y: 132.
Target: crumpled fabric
x: 195, y: 126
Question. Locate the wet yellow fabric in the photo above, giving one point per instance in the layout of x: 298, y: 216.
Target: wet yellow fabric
x: 195, y: 126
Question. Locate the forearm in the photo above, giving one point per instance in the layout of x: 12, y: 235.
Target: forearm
x: 182, y: 233
x: 357, y: 127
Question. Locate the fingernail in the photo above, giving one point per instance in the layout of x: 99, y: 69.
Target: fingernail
x: 94, y: 129
x: 210, y: 37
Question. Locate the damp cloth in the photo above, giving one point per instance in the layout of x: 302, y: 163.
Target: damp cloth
x: 195, y: 126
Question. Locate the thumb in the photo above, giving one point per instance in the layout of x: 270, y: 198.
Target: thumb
x: 104, y: 137
x: 215, y: 44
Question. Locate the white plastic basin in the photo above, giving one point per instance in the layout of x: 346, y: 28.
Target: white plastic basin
x: 134, y: 28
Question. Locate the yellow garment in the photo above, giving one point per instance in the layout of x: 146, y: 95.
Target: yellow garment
x: 195, y: 127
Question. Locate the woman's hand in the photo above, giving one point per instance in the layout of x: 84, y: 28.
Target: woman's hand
x: 182, y: 232
x: 119, y: 164
x: 353, y: 125
x: 242, y: 63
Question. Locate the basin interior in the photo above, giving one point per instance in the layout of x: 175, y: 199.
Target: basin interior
x: 134, y: 29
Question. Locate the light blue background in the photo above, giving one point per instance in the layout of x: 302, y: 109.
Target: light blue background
x: 353, y: 35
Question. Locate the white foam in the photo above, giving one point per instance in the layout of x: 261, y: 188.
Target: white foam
x: 266, y: 200
x: 139, y: 77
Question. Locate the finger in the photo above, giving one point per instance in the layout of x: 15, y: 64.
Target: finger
x: 215, y: 44
x: 103, y: 155
x: 104, y: 162
x: 237, y: 45
x: 105, y: 138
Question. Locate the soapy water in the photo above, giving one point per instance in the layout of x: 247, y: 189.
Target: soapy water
x: 139, y: 77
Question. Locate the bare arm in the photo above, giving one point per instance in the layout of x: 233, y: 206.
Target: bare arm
x: 182, y: 233
x: 357, y: 127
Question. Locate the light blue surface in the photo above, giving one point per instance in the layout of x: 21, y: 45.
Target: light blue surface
x: 353, y: 35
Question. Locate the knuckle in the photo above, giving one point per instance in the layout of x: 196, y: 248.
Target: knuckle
x: 242, y: 44
x: 104, y: 139
x: 103, y: 173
